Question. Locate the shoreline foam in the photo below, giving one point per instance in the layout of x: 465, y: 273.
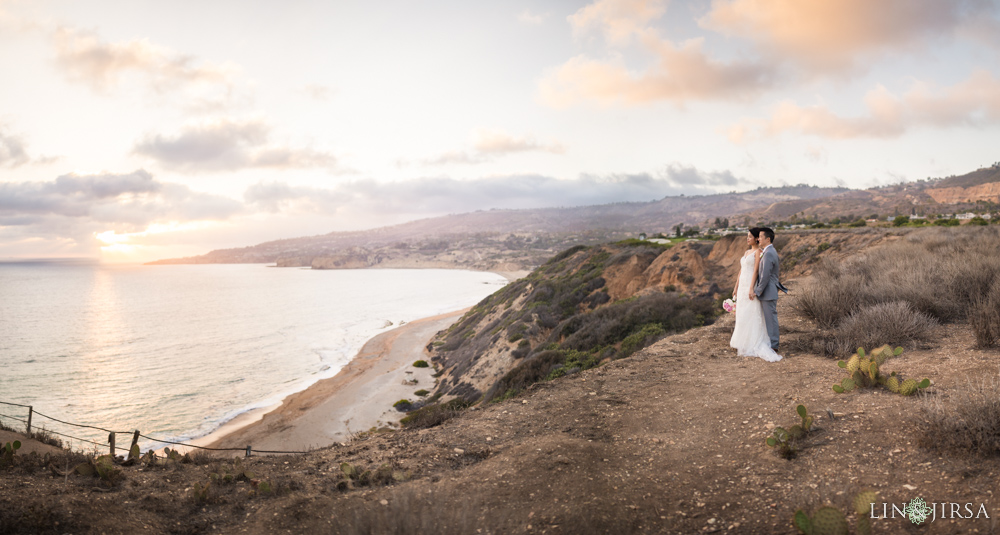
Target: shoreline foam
x: 357, y: 398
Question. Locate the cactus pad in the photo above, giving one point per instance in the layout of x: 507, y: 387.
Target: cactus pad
x: 348, y: 470
x: 829, y: 521
x: 908, y: 387
x: 803, y: 522
x: 863, y: 501
x: 892, y: 384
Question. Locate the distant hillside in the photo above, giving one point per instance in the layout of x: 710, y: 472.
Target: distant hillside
x: 510, y: 239
x: 507, y: 240
x: 977, y: 190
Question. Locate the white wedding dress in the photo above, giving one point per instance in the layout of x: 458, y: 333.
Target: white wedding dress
x: 750, y: 337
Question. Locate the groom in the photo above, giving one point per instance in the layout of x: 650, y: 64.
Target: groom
x: 768, y: 285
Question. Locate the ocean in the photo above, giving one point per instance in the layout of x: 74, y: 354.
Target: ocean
x: 176, y: 351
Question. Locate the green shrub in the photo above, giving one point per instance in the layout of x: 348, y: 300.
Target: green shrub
x: 643, y: 337
x: 947, y: 222
x: 900, y: 220
x: 822, y: 247
x: 633, y: 242
x: 978, y: 221
x: 526, y: 373
x: 858, y: 223
x: 403, y: 405
x: 421, y: 364
x: 422, y: 392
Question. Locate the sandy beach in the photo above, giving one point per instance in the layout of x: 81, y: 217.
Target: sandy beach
x: 358, y: 398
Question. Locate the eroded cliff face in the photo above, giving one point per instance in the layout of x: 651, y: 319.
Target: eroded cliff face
x: 983, y: 192
x: 533, y: 313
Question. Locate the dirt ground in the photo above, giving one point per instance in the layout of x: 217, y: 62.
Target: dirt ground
x: 670, y: 440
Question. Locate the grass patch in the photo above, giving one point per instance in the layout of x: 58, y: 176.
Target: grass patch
x: 433, y: 415
x: 967, y: 422
x: 893, y: 294
x: 421, y: 364
x: 984, y: 317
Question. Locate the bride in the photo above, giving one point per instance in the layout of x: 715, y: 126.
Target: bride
x: 750, y: 334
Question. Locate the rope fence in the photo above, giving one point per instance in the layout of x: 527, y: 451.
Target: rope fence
x: 112, y: 434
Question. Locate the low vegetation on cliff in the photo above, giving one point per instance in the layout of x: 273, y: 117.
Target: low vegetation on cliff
x: 562, y: 319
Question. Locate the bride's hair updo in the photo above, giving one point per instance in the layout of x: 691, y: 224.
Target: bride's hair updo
x: 755, y: 232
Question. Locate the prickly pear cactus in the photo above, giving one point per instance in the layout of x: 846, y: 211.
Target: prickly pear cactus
x: 863, y: 502
x: 829, y: 521
x: 348, y: 470
x: 807, y: 419
x: 865, y: 371
x: 892, y: 384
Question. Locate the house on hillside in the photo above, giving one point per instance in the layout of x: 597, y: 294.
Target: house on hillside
x: 965, y: 216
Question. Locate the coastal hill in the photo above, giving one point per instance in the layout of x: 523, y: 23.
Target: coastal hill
x: 502, y: 239
x: 590, y: 305
x: 670, y: 439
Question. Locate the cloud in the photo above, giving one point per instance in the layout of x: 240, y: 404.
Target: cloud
x: 489, y: 144
x: 682, y: 72
x: 14, y: 152
x: 681, y: 175
x: 134, y: 198
x: 227, y: 145
x: 837, y: 35
x: 972, y: 102
x: 816, y: 154
x: 68, y: 211
x: 617, y: 20
x: 531, y: 18
x: 319, y: 92
x: 83, y: 57
x: 429, y: 196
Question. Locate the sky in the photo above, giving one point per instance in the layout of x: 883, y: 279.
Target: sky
x: 131, y: 131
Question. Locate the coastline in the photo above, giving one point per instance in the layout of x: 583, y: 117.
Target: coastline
x: 357, y: 398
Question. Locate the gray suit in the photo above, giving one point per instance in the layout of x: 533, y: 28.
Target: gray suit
x: 767, y: 291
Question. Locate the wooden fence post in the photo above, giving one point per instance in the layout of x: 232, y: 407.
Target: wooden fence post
x: 29, y: 419
x: 111, y: 439
x: 135, y: 440
x: 248, y: 450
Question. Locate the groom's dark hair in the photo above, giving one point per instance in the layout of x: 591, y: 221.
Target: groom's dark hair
x: 769, y: 233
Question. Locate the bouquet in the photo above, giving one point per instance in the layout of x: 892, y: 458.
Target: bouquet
x: 729, y: 305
